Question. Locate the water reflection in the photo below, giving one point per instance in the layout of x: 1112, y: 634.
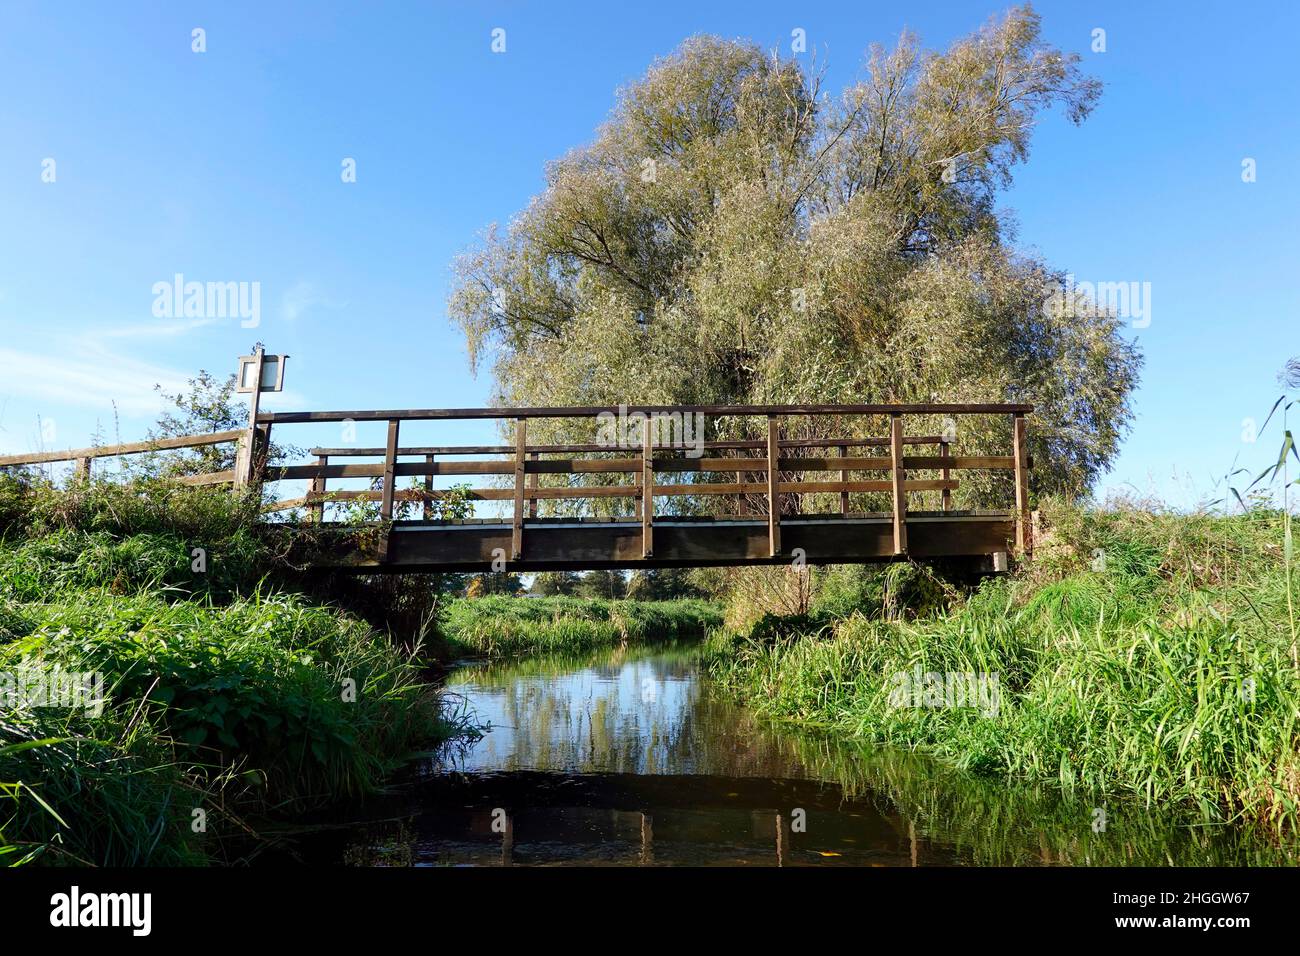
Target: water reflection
x: 628, y: 712
x: 631, y: 758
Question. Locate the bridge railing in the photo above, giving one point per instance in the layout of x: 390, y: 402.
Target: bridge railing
x: 84, y: 458
x: 524, y: 463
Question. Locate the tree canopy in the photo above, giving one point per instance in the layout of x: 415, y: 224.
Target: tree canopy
x: 735, y: 235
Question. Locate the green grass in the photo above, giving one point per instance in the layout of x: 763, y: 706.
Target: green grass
x: 498, y: 626
x: 1167, y: 673
x: 225, y: 693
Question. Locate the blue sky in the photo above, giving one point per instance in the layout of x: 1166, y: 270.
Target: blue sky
x: 225, y: 166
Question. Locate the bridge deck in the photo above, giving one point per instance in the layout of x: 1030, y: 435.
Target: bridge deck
x: 558, y: 544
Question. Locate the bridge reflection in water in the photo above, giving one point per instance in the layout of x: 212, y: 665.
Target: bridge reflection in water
x: 634, y: 758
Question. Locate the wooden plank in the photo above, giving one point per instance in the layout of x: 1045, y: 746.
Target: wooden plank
x: 521, y: 454
x: 426, y: 511
x: 318, y: 491
x: 844, y: 476
x: 246, y: 457
x: 354, y: 452
x: 127, y: 448
x: 211, y: 478
x: 591, y: 411
x: 1024, y: 536
x: 661, y: 491
x: 532, y: 486
x: 633, y: 466
x: 773, y: 485
x: 647, y: 491
x: 899, y: 481
x: 295, y: 472
x: 961, y: 462
x: 946, y: 453
x: 390, y: 473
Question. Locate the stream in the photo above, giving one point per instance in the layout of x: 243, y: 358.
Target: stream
x: 633, y: 758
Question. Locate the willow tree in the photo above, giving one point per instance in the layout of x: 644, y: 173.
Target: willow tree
x: 733, y: 234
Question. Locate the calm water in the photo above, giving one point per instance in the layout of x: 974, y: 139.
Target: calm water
x: 633, y: 758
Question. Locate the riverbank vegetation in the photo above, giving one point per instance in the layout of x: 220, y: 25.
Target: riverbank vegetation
x: 227, y: 693
x: 1143, y: 651
x: 497, y: 626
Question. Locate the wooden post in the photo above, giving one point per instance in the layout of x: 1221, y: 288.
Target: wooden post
x: 773, y: 484
x: 318, y: 490
x: 1024, y: 537
x: 844, y: 477
x: 83, y: 469
x: 245, y: 458
x: 532, y: 486
x: 521, y: 455
x: 899, y: 477
x: 647, y: 839
x: 427, y: 511
x: 390, y: 467
x: 647, y: 490
x: 945, y: 452
x: 261, y: 453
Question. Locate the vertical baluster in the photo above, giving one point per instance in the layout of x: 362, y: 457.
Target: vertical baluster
x: 844, y: 477
x: 945, y: 452
x: 521, y: 456
x: 427, y: 510
x: 1024, y: 537
x: 390, y: 466
x: 899, y: 478
x: 532, y: 487
x: 647, y: 490
x: 318, y: 490
x: 774, y: 484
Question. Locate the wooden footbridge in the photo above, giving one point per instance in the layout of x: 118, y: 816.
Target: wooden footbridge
x: 769, y: 500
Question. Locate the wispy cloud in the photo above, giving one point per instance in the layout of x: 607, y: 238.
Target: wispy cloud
x: 303, y: 296
x: 90, y: 377
x: 88, y: 380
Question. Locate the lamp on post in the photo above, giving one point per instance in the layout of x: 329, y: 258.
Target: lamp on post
x: 257, y: 373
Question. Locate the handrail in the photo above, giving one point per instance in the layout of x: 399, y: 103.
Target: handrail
x: 566, y: 411
x: 589, y: 447
x: 126, y: 448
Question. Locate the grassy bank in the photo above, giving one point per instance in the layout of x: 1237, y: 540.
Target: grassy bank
x: 225, y: 694
x: 501, y: 626
x: 1142, y: 652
